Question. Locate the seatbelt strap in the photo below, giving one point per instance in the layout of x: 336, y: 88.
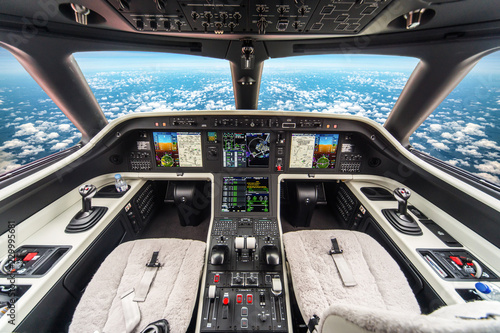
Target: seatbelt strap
x: 141, y: 292
x: 344, y: 270
x: 131, y: 312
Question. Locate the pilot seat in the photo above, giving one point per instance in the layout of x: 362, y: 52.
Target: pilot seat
x: 142, y: 282
x: 347, y: 282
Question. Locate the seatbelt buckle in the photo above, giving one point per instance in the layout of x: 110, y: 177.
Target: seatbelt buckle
x: 153, y: 262
x: 313, y: 322
x: 335, y: 247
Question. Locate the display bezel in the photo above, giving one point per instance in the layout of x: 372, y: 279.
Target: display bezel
x: 328, y: 169
x: 266, y: 194
x: 246, y: 133
x: 178, y: 167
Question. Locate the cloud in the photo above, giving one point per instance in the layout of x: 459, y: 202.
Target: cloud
x: 31, y: 150
x: 438, y: 145
x: 435, y: 127
x: 64, y: 127
x: 11, y: 144
x: 474, y: 129
x: 489, y: 177
x: 484, y: 143
x: 61, y: 145
x: 418, y: 146
x: 489, y: 166
x: 469, y: 151
x: 8, y: 162
x: 26, y: 129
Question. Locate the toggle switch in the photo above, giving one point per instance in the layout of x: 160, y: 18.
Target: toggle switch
x: 239, y: 298
x: 30, y: 256
x: 249, y: 298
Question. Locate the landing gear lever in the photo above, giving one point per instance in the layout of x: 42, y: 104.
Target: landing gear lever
x: 87, y: 192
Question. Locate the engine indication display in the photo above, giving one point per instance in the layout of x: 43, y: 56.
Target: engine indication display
x: 245, y: 194
x: 178, y: 149
x: 246, y: 150
x: 317, y: 151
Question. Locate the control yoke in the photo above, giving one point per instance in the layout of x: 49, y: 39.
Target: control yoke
x: 87, y: 192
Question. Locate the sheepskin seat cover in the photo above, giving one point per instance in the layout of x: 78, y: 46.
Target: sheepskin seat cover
x: 474, y: 317
x: 172, y: 294
x: 318, y: 285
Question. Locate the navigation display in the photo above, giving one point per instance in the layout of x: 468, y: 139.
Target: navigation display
x: 178, y: 149
x: 245, y: 150
x: 317, y: 151
x: 245, y: 194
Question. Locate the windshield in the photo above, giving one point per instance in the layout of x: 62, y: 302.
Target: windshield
x: 364, y: 85
x: 128, y: 82
x: 464, y: 130
x: 31, y: 125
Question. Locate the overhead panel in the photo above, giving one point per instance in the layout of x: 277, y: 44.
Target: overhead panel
x: 250, y: 17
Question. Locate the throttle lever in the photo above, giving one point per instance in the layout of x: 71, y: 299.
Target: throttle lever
x: 87, y: 192
x: 402, y: 195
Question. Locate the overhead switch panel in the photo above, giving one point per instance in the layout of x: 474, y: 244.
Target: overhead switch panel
x: 251, y: 17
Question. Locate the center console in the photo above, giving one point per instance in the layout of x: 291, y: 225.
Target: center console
x: 244, y: 287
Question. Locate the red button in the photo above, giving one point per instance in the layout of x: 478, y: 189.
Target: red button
x: 30, y: 256
x: 470, y: 264
x: 249, y: 299
x: 239, y: 298
x: 216, y: 278
x: 278, y: 167
x: 225, y: 301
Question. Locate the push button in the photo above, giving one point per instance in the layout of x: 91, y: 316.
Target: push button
x: 225, y: 300
x: 249, y: 298
x: 216, y: 278
x: 244, y: 322
x: 239, y: 298
x: 244, y: 311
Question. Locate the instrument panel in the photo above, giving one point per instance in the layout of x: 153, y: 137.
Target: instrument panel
x: 252, y: 145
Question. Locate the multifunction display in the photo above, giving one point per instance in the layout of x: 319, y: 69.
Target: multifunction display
x: 178, y: 149
x: 317, y: 151
x: 245, y: 150
x: 245, y: 194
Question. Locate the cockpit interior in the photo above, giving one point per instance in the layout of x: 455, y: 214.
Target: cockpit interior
x: 248, y: 220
